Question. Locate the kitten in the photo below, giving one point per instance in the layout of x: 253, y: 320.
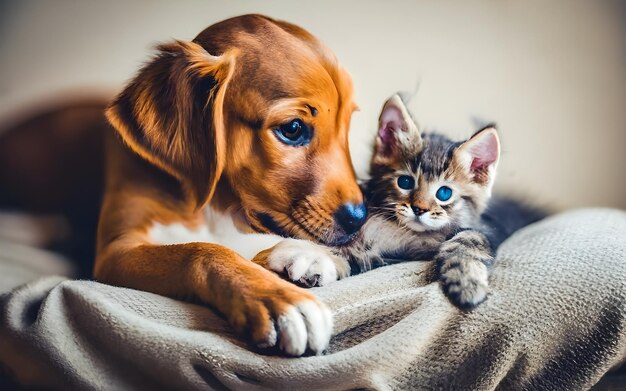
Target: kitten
x: 428, y: 198
x: 426, y: 195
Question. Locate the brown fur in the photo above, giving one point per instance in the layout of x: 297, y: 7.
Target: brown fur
x: 196, y: 129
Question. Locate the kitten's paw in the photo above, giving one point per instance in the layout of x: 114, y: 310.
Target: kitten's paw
x: 463, y: 263
x: 306, y: 263
x: 466, y: 283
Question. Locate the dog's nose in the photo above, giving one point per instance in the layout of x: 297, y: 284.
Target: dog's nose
x: 351, y: 217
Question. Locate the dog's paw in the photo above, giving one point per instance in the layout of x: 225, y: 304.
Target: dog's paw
x: 306, y: 263
x: 287, y: 317
x: 466, y: 283
x: 308, y: 323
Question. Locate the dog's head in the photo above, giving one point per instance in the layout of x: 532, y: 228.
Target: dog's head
x: 253, y: 114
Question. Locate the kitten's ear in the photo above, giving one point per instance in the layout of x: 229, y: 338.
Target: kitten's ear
x: 479, y: 156
x: 398, y: 134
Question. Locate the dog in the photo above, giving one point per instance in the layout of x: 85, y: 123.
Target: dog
x: 240, y: 135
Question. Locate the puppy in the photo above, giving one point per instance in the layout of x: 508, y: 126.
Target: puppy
x: 240, y: 135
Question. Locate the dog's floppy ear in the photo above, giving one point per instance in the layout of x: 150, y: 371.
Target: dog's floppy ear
x: 172, y: 114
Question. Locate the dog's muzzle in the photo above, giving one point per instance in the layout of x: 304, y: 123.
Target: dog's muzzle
x: 349, y: 219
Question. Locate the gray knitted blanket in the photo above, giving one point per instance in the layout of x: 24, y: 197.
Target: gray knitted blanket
x: 555, y: 320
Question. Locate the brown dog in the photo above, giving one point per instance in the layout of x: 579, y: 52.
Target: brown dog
x: 243, y: 130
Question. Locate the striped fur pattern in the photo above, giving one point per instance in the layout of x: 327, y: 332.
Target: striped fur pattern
x: 460, y: 230
x: 412, y: 219
x: 409, y: 221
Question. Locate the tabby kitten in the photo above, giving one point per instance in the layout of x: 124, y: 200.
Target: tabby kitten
x: 428, y: 198
x: 426, y: 195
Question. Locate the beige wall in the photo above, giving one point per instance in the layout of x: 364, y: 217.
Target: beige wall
x: 551, y: 74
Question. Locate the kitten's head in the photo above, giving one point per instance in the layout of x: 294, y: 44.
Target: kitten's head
x: 428, y: 182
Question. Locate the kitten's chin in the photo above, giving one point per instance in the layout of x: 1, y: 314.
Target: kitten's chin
x: 425, y: 223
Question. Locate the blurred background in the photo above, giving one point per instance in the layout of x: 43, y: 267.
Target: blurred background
x: 552, y: 75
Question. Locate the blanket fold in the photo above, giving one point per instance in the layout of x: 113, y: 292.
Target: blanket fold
x: 555, y: 319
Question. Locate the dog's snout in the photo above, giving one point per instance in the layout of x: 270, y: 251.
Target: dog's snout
x: 351, y: 217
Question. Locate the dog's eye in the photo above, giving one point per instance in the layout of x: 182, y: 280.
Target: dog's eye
x: 295, y: 133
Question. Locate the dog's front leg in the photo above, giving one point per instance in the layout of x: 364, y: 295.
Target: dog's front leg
x: 304, y: 262
x: 254, y: 300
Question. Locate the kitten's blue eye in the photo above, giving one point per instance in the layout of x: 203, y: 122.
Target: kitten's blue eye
x: 406, y: 182
x: 443, y: 193
x: 295, y: 133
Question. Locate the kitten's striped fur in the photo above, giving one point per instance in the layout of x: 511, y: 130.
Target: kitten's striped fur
x: 461, y: 234
x: 453, y: 233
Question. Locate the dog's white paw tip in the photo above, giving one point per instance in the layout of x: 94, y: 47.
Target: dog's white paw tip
x: 309, y: 324
x: 292, y: 332
x: 319, y: 322
x: 270, y: 339
x: 303, y: 262
x: 297, y: 267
